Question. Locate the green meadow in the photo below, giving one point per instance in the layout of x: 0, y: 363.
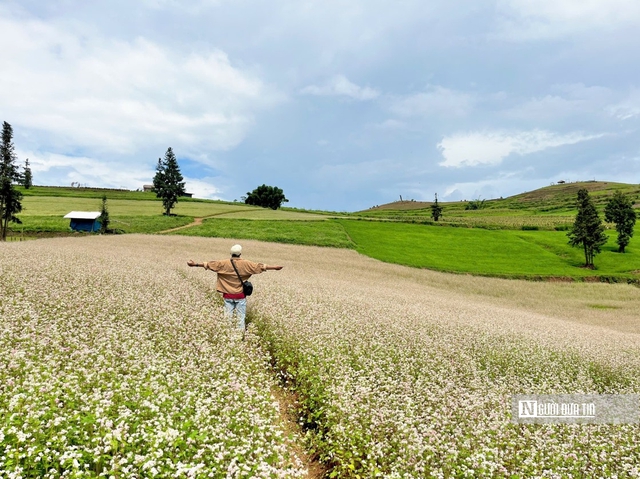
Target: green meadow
x: 518, y: 237
x: 505, y: 253
x: 43, y: 210
x: 60, y: 206
x: 305, y: 232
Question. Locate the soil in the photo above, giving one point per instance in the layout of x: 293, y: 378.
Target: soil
x: 288, y: 405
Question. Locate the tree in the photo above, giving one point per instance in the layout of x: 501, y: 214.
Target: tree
x: 587, y: 230
x: 104, y: 216
x: 436, y: 209
x: 10, y: 198
x: 167, y: 183
x: 27, y: 177
x: 619, y: 210
x: 267, y: 197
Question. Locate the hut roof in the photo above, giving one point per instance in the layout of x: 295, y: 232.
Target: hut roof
x: 82, y: 215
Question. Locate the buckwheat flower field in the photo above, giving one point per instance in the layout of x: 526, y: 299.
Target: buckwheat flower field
x: 117, y: 362
x: 403, y: 375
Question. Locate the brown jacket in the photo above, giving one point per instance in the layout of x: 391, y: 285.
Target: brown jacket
x: 228, y: 279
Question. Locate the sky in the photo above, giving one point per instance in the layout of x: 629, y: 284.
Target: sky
x: 344, y: 104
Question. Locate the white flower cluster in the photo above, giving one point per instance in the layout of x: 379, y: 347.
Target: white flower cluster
x: 116, y: 363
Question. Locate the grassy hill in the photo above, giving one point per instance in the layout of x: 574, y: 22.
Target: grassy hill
x: 548, y: 208
x: 555, y: 196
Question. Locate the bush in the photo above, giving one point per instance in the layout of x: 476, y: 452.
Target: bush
x: 474, y: 205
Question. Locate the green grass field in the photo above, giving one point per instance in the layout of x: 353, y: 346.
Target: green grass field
x: 316, y: 233
x: 43, y: 209
x: 506, y: 253
x: 274, y: 215
x: 60, y: 206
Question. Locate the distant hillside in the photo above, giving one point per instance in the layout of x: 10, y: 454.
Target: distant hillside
x: 548, y: 208
x: 558, y: 196
x: 566, y: 193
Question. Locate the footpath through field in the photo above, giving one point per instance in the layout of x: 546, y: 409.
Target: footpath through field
x: 195, y: 222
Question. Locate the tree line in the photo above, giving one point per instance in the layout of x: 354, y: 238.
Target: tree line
x: 588, y: 229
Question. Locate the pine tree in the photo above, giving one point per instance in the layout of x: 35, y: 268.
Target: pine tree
x: 10, y: 198
x: 167, y: 183
x: 587, y: 230
x: 27, y: 177
x: 619, y: 210
x: 436, y: 209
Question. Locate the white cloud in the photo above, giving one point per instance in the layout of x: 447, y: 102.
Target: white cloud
x: 339, y: 85
x: 490, y: 148
x: 541, y: 19
x: 436, y: 101
x: 97, y: 102
x: 116, y: 83
x: 64, y: 169
x: 500, y: 184
x: 203, y: 188
x: 120, y: 96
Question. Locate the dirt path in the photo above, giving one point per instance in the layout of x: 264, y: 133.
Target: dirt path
x: 196, y: 222
x: 288, y: 407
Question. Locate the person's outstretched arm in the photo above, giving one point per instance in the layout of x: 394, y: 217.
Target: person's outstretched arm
x: 274, y: 267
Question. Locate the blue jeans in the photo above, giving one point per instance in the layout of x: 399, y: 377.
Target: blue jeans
x: 240, y: 307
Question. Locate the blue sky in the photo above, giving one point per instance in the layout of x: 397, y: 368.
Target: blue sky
x: 342, y: 104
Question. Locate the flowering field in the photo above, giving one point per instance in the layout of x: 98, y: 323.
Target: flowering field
x: 116, y: 362
x: 403, y: 375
